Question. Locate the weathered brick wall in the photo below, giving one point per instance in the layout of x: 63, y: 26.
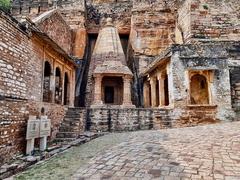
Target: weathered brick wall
x: 119, y: 11
x: 14, y: 47
x: 152, y: 29
x: 53, y: 24
x: 234, y: 63
x: 116, y: 119
x: 12, y: 128
x: 21, y: 71
x: 183, y: 24
x: 55, y: 112
x: 119, y: 119
x: 14, y: 58
x: 211, y: 57
x: 209, y: 20
x: 213, y: 19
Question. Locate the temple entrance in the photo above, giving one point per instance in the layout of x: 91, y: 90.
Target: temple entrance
x: 109, y: 94
x: 112, y: 90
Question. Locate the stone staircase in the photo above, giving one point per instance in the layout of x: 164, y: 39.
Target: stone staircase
x: 72, y: 126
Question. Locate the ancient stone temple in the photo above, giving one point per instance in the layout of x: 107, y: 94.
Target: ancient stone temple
x: 117, y: 65
x: 112, y: 77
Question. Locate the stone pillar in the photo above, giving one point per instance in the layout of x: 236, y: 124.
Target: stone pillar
x: 63, y: 82
x: 153, y: 91
x: 161, y: 90
x: 72, y: 88
x: 53, y: 83
x: 97, y: 90
x: 52, y: 87
x: 146, y: 94
x: 127, y: 91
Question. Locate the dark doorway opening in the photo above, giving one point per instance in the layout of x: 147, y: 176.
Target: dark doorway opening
x: 66, y: 89
x: 58, y: 86
x: 112, y: 90
x: 124, y: 41
x: 166, y: 91
x: 109, y: 95
x: 47, y: 94
x: 157, y: 93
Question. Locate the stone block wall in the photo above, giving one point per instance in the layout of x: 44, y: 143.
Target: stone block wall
x: 202, y: 20
x: 152, y: 29
x: 119, y: 11
x: 132, y: 119
x: 53, y: 24
x: 126, y: 119
x: 183, y: 23
x: 212, y: 58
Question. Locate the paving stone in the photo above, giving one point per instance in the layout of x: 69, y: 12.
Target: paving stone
x: 188, y: 153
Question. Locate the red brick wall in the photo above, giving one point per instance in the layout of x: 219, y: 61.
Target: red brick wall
x: 54, y: 112
x: 58, y: 30
x: 209, y: 20
x: 12, y: 128
x: 21, y: 69
x: 15, y: 52
x: 151, y: 28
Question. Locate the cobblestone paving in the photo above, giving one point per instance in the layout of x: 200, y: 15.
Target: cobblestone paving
x: 204, y: 152
x: 63, y: 166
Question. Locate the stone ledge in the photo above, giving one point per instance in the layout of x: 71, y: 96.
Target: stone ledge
x: 202, y: 106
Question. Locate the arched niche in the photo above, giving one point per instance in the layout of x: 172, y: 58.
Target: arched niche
x: 199, y: 93
x: 66, y: 89
x: 47, y: 94
x: 58, y: 86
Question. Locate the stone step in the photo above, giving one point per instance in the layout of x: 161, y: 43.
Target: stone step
x: 68, y: 128
x: 72, y: 115
x: 74, y: 110
x: 70, y: 123
x: 67, y: 135
x: 64, y: 139
x: 71, y: 119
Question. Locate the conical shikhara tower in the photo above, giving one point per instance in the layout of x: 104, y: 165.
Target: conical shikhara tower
x: 112, y: 77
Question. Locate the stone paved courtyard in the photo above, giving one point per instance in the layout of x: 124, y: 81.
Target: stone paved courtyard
x: 203, y: 152
x: 206, y: 152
